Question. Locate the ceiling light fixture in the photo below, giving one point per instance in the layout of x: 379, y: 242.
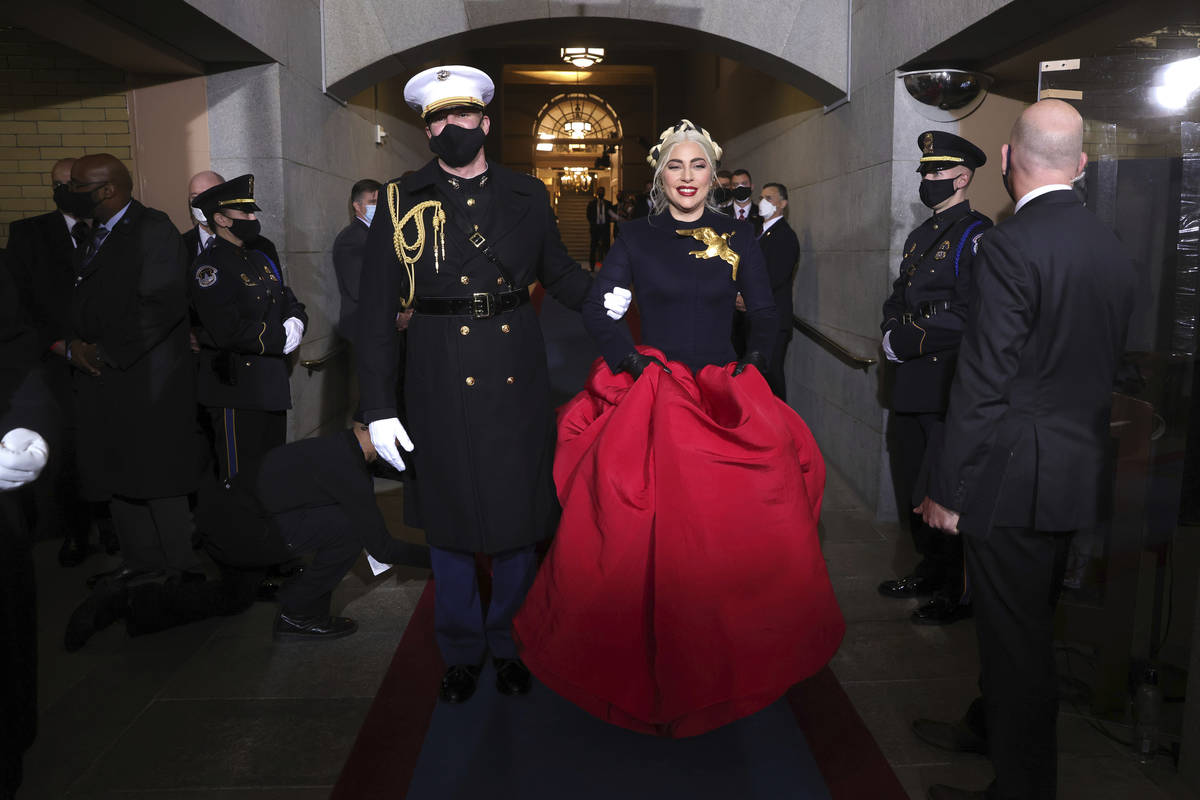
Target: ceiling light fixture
x: 582, y: 57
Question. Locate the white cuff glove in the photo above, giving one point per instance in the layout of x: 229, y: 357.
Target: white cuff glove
x: 384, y: 435
x: 293, y: 330
x: 23, y: 455
x: 617, y: 302
x: 887, y: 349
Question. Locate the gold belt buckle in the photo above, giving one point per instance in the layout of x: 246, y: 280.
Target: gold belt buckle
x: 481, y: 305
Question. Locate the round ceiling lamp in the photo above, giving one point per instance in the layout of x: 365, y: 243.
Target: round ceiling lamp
x: 582, y: 57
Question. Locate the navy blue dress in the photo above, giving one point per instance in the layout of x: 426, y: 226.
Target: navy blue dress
x: 685, y: 302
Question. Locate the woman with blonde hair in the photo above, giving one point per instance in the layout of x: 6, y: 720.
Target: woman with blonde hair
x: 685, y: 588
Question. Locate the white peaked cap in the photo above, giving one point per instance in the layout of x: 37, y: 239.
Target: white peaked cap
x: 451, y: 85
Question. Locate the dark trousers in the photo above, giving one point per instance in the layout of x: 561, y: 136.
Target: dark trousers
x: 914, y: 435
x: 463, y: 634
x: 18, y: 642
x: 60, y: 510
x: 1016, y: 576
x: 775, y: 377
x: 155, y: 533
x: 241, y: 435
x: 598, y: 248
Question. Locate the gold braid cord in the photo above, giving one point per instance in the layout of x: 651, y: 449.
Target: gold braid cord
x: 410, y: 254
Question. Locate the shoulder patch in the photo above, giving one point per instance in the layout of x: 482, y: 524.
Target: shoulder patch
x: 206, y: 276
x: 975, y: 243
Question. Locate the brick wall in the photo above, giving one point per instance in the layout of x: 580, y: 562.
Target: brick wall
x: 54, y: 103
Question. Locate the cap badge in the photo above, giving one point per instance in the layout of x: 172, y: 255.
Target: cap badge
x: 927, y: 143
x: 443, y: 74
x: 250, y: 186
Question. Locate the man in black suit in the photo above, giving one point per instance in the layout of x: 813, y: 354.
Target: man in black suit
x: 348, y: 251
x: 781, y: 249
x: 1024, y: 463
x: 741, y: 188
x: 601, y: 215
x: 135, y: 377
x: 40, y: 254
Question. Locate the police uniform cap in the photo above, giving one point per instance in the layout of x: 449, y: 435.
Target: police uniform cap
x: 450, y: 86
x: 942, y: 150
x: 236, y: 193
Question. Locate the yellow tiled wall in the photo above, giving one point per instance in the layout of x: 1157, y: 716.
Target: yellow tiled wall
x: 54, y: 103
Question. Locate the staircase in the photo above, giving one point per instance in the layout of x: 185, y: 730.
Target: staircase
x: 573, y: 225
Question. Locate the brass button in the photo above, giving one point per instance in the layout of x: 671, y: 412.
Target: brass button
x: 470, y: 201
x: 499, y: 281
x: 935, y: 358
x: 464, y: 330
x: 510, y: 380
x: 247, y: 363
x: 910, y: 283
x: 464, y: 280
x: 505, y: 328
x: 470, y: 381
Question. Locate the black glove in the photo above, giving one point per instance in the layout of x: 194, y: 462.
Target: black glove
x: 635, y: 364
x: 753, y: 357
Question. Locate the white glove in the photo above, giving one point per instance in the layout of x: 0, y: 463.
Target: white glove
x: 293, y: 330
x: 384, y: 435
x: 887, y: 349
x: 23, y: 455
x: 617, y: 302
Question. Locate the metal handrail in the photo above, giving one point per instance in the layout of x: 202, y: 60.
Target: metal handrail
x: 837, y: 349
x: 318, y: 364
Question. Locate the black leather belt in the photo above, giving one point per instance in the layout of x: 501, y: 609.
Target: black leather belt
x: 480, y: 305
x: 926, y: 309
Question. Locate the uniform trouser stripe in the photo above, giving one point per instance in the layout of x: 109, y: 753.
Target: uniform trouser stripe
x: 231, y: 459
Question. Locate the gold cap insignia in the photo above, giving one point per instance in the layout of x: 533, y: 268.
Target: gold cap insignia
x: 250, y: 186
x: 927, y: 143
x: 443, y: 74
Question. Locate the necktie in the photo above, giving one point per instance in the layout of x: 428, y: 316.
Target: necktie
x: 741, y: 213
x: 79, y: 232
x: 94, y: 243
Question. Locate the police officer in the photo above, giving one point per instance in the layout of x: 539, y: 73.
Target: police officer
x: 460, y: 240
x: 250, y: 321
x: 922, y: 325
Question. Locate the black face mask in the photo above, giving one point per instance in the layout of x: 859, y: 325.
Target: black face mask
x: 721, y: 195
x: 741, y: 193
x: 78, y: 204
x: 457, y: 146
x: 246, y: 229
x: 934, y: 193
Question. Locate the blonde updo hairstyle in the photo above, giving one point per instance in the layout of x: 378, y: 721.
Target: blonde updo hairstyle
x: 682, y: 131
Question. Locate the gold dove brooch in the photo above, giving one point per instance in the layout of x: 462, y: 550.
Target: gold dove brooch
x: 715, y: 246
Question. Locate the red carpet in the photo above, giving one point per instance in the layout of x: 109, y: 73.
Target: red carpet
x: 384, y: 757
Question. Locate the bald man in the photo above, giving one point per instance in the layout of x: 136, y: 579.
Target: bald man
x: 40, y: 253
x: 1025, y: 457
x: 135, y: 377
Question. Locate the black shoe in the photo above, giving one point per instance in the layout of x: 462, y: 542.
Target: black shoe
x: 103, y: 607
x: 318, y: 626
x: 909, y: 586
x: 941, y: 610
x: 512, y: 676
x: 941, y: 792
x: 108, y: 536
x: 458, y: 684
x: 123, y: 574
x: 73, y: 551
x: 955, y: 737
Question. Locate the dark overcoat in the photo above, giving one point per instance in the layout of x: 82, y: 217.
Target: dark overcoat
x: 41, y: 259
x: 137, y: 419
x: 936, y: 268
x: 781, y: 250
x: 477, y: 390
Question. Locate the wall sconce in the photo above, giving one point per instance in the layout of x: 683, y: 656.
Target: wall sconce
x: 946, y: 95
x: 581, y: 57
x: 380, y: 134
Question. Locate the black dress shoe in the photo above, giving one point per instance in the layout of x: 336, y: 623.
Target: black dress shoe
x: 458, y: 684
x: 73, y: 551
x: 909, y: 586
x: 103, y: 607
x: 123, y: 574
x: 941, y: 610
x: 941, y: 792
x: 953, y: 736
x: 317, y: 626
x: 512, y: 676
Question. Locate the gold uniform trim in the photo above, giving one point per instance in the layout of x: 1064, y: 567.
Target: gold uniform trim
x: 446, y: 102
x: 410, y: 253
x: 262, y: 348
x: 941, y: 158
x: 235, y: 202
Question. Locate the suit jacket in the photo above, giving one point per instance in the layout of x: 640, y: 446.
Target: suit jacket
x: 40, y: 258
x: 348, y: 250
x: 781, y: 249
x: 137, y: 418
x: 753, y: 217
x: 191, y: 243
x: 609, y: 208
x: 1026, y: 435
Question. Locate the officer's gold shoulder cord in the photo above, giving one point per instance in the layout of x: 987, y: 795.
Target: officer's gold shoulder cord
x: 410, y: 254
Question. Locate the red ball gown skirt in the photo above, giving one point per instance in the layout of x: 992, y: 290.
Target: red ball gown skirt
x: 685, y: 588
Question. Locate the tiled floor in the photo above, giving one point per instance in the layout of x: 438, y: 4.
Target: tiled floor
x: 217, y: 711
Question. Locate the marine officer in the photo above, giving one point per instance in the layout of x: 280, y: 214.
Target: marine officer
x: 922, y: 325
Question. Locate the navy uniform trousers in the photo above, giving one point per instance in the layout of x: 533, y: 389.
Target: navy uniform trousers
x: 458, y: 608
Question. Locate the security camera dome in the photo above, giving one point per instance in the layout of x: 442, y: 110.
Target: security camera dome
x: 946, y: 95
